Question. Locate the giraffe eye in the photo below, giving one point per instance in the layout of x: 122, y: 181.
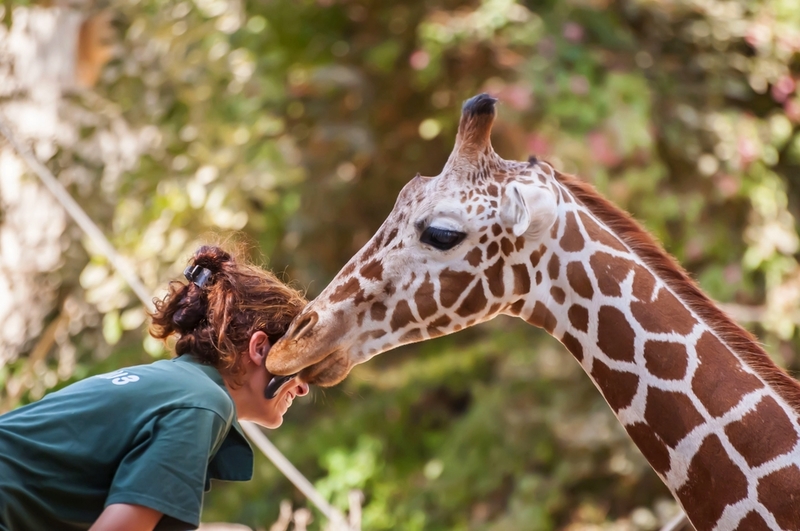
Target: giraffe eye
x: 442, y: 239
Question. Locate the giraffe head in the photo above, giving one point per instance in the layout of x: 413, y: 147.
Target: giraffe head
x: 438, y: 264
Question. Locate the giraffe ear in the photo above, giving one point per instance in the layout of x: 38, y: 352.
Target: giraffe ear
x: 528, y: 208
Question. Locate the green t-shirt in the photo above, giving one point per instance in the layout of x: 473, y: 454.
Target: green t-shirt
x: 152, y: 435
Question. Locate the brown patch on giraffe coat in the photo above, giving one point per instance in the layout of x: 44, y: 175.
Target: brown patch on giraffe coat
x: 360, y: 297
x: 558, y: 294
x: 474, y: 257
x: 401, y: 316
x: 491, y: 250
x: 522, y: 279
x: 435, y: 326
x: 572, y: 241
x: 441, y: 321
x: 492, y: 190
x: 653, y: 448
x: 348, y: 269
x: 663, y: 315
x: 538, y: 277
x: 390, y: 238
x: 615, y: 337
x: 573, y: 345
x: 665, y: 359
x: 516, y: 308
x: 618, y: 387
x: 779, y: 492
x: 536, y: 256
x: 378, y: 311
x: 763, y: 433
x: 497, y: 229
x: 494, y: 277
x: 719, y: 382
x: 519, y: 243
x: 474, y: 302
x: 372, y: 334
x: 643, y: 283
x: 368, y: 253
x: 579, y: 317
x: 599, y: 234
x: 609, y: 271
x: 554, y: 230
x: 714, y: 481
x: 506, y: 246
x: 484, y: 238
x: 389, y: 288
x: 413, y: 335
x: 553, y: 266
x: 423, y: 298
x: 542, y: 317
x: 452, y: 284
x: 671, y: 415
x: 346, y: 290
x: 752, y: 522
x: 579, y: 280
x: 372, y: 270
x: 360, y: 318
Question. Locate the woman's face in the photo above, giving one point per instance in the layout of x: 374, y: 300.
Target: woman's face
x: 275, y: 408
x: 251, y: 404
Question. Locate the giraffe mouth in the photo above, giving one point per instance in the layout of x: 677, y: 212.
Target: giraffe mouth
x: 328, y: 372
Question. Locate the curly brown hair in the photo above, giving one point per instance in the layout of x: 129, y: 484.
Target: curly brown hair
x: 214, y: 322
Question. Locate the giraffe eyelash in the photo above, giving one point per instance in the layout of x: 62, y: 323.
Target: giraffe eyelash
x: 442, y: 239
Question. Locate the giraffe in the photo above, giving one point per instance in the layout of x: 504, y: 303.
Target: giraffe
x: 715, y: 418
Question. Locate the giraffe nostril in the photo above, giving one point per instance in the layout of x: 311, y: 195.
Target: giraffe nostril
x: 304, y: 326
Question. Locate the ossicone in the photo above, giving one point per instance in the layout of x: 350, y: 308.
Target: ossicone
x: 475, y: 127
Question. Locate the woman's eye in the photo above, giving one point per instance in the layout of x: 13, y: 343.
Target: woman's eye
x: 442, y: 239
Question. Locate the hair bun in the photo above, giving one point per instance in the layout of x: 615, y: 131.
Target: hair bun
x: 192, y: 310
x: 211, y: 257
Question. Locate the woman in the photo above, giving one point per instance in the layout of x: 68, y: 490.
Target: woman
x: 135, y: 449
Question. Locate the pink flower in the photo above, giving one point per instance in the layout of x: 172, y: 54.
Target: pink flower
x: 792, y: 109
x: 783, y: 88
x: 538, y: 144
x: 573, y: 32
x: 419, y: 59
x: 601, y: 149
x: 517, y: 96
x: 579, y: 85
x: 748, y: 151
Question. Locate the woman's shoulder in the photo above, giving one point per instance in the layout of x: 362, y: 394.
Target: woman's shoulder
x: 195, y: 384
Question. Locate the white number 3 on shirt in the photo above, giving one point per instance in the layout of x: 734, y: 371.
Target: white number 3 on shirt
x: 120, y: 377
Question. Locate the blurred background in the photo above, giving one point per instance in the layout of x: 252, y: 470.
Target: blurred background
x: 293, y: 124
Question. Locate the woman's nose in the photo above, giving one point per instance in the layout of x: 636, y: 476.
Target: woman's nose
x: 302, y: 389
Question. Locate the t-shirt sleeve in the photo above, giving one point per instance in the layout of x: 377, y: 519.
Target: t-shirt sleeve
x: 166, y: 467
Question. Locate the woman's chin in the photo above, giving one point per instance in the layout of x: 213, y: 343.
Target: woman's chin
x: 271, y: 423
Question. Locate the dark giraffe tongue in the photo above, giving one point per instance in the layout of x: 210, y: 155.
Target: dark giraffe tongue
x: 275, y: 384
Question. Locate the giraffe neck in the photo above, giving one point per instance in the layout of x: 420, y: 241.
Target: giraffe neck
x: 713, y: 416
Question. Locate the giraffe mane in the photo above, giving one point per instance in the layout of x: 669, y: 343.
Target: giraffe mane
x: 669, y: 271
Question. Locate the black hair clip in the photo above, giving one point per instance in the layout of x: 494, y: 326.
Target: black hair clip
x: 196, y: 274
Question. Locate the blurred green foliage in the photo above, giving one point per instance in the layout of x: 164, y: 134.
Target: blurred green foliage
x: 296, y: 122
